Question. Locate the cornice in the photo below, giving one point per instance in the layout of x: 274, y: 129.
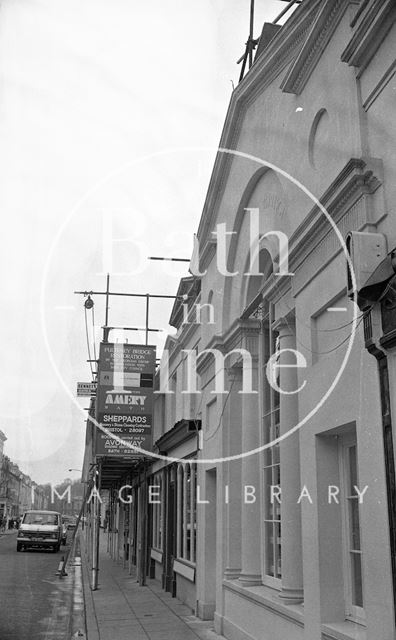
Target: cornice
x: 358, y: 176
x: 322, y: 29
x: 237, y: 336
x: 208, y: 252
x: 376, y: 21
x: 181, y: 432
x: 362, y: 4
x: 347, y: 203
x: 187, y: 330
x: 388, y: 341
x: 257, y: 81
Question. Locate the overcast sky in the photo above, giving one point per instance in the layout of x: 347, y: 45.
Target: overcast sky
x: 104, y: 105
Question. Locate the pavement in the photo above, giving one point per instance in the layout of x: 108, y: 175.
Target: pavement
x: 120, y: 609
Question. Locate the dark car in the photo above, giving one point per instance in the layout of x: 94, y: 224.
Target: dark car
x: 70, y: 522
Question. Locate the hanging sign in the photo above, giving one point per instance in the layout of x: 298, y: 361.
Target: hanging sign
x: 124, y: 403
x: 86, y: 389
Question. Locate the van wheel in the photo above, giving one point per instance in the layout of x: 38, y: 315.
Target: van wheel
x: 19, y: 546
x: 56, y: 548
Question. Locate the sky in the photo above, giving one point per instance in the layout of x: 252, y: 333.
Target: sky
x: 110, y: 114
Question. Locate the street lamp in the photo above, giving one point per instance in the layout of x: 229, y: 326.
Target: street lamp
x: 89, y: 303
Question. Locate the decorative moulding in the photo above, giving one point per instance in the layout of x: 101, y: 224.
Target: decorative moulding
x: 182, y: 431
x: 348, y: 203
x: 380, y: 86
x: 208, y: 252
x: 375, y: 22
x: 359, y: 176
x: 239, y: 334
x: 322, y: 29
x: 362, y: 4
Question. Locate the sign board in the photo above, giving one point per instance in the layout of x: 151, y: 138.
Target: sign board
x: 86, y: 389
x: 124, y: 404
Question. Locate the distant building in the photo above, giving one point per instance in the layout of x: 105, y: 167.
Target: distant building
x: 18, y: 492
x: 3, y: 438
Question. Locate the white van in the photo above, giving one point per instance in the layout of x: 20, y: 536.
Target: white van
x: 40, y: 529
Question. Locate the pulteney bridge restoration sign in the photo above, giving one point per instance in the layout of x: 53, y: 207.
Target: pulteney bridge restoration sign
x: 125, y: 398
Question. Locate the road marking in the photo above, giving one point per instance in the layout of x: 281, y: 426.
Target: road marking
x: 337, y: 309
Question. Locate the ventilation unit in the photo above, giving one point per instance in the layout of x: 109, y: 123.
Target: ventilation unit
x: 367, y: 250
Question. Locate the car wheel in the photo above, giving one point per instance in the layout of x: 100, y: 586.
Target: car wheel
x: 19, y: 546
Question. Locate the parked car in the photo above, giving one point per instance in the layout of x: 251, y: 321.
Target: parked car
x: 71, y: 522
x: 40, y: 529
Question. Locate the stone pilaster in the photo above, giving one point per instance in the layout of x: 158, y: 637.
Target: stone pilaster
x: 292, y: 571
x: 233, y: 477
x: 250, y: 525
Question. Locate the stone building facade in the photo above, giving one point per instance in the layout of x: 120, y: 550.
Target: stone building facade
x: 273, y: 503
x: 294, y: 532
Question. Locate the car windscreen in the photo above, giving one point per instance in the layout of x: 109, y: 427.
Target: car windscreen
x: 40, y: 518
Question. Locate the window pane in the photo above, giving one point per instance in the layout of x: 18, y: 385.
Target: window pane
x: 353, y: 476
x: 354, y: 524
x: 271, y: 431
x: 269, y: 536
x: 188, y: 515
x: 278, y: 572
x: 181, y: 540
x: 357, y: 588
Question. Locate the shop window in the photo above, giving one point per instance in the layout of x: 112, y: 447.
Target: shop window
x: 186, y: 512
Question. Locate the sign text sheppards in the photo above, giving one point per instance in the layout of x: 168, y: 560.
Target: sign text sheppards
x: 125, y: 398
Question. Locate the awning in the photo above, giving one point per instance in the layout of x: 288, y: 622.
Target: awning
x: 376, y: 284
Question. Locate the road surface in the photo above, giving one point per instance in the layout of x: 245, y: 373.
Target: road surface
x: 35, y: 603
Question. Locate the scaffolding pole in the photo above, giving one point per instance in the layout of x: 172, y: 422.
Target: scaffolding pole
x: 96, y: 530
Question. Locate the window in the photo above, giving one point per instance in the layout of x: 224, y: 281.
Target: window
x: 157, y: 511
x: 354, y: 599
x: 272, y: 508
x: 186, y: 511
x: 171, y: 402
x: 40, y: 518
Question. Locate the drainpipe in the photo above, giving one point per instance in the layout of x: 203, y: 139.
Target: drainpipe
x: 379, y: 351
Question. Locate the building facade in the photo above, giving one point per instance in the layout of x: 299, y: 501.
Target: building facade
x: 271, y: 505
x: 18, y: 492
x: 294, y: 517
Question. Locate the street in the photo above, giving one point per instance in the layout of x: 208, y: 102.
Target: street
x: 35, y: 603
